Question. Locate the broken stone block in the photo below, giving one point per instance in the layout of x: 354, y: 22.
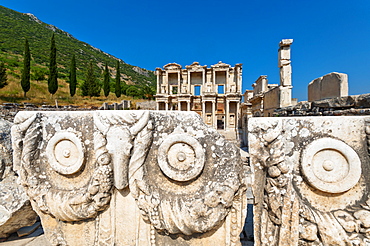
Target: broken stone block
x: 328, y: 86
x: 15, y: 208
x: 363, y: 101
x: 130, y: 178
x: 311, y: 181
x: 337, y: 102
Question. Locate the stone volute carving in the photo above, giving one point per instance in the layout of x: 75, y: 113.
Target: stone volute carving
x: 312, y: 170
x: 130, y: 178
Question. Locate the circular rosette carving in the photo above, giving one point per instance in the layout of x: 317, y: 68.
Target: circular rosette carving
x: 181, y: 157
x: 65, y: 152
x: 331, y: 165
x: 199, y: 175
x: 61, y: 177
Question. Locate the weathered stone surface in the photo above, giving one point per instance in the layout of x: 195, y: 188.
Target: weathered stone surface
x: 311, y: 184
x: 284, y: 62
x: 337, y: 102
x: 15, y: 208
x: 363, y: 101
x: 328, y: 86
x: 348, y: 105
x: 130, y: 178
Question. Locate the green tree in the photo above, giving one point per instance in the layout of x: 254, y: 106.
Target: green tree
x: 25, y: 79
x: 38, y: 74
x: 72, y: 77
x: 106, y: 86
x: 133, y: 91
x: 53, y: 73
x: 118, y: 81
x: 147, y: 91
x: 124, y: 87
x: 3, y: 77
x: 90, y: 87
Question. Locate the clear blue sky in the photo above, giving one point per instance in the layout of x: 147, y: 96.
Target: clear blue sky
x: 329, y: 35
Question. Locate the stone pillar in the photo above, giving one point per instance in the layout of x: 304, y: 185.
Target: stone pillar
x: 166, y: 106
x: 165, y: 81
x: 204, y: 111
x: 227, y: 82
x: 214, y: 119
x: 238, y: 114
x: 284, y: 62
x: 189, y: 84
x: 227, y: 114
x: 178, y: 82
x: 188, y: 104
x: 157, y: 106
x: 179, y: 106
x: 204, y: 80
x: 158, y: 72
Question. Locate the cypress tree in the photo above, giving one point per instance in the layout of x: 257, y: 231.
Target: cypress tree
x: 3, y: 76
x: 72, y: 77
x: 53, y: 73
x: 25, y: 79
x: 106, y: 85
x: 118, y: 81
x: 90, y: 86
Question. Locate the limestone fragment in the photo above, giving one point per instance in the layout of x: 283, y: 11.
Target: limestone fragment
x: 130, y: 178
x: 15, y: 207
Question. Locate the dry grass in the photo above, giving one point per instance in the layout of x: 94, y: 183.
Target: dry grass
x: 39, y: 95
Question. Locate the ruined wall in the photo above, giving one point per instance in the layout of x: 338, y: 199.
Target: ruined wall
x: 271, y: 101
x: 328, y: 86
x: 349, y: 105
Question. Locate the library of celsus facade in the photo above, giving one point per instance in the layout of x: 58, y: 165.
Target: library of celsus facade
x: 213, y: 92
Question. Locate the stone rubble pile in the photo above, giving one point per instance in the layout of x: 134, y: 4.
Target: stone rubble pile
x: 339, y: 106
x: 124, y: 105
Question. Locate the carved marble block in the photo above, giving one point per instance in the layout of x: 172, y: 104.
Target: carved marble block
x: 311, y: 181
x: 130, y: 178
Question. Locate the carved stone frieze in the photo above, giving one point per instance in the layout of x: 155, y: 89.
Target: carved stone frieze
x: 53, y: 170
x: 130, y: 178
x: 310, y: 182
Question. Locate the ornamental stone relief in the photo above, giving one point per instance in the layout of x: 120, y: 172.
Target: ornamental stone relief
x: 130, y: 178
x: 330, y: 165
x: 310, y: 184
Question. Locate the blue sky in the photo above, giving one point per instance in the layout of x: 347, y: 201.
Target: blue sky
x: 329, y: 36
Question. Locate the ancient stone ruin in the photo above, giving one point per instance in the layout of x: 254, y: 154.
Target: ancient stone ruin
x: 15, y: 207
x: 166, y: 178
x: 328, y: 86
x: 130, y: 178
x: 122, y: 177
x: 310, y: 180
x: 213, y: 92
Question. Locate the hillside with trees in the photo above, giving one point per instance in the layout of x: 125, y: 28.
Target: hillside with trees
x: 75, y: 62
